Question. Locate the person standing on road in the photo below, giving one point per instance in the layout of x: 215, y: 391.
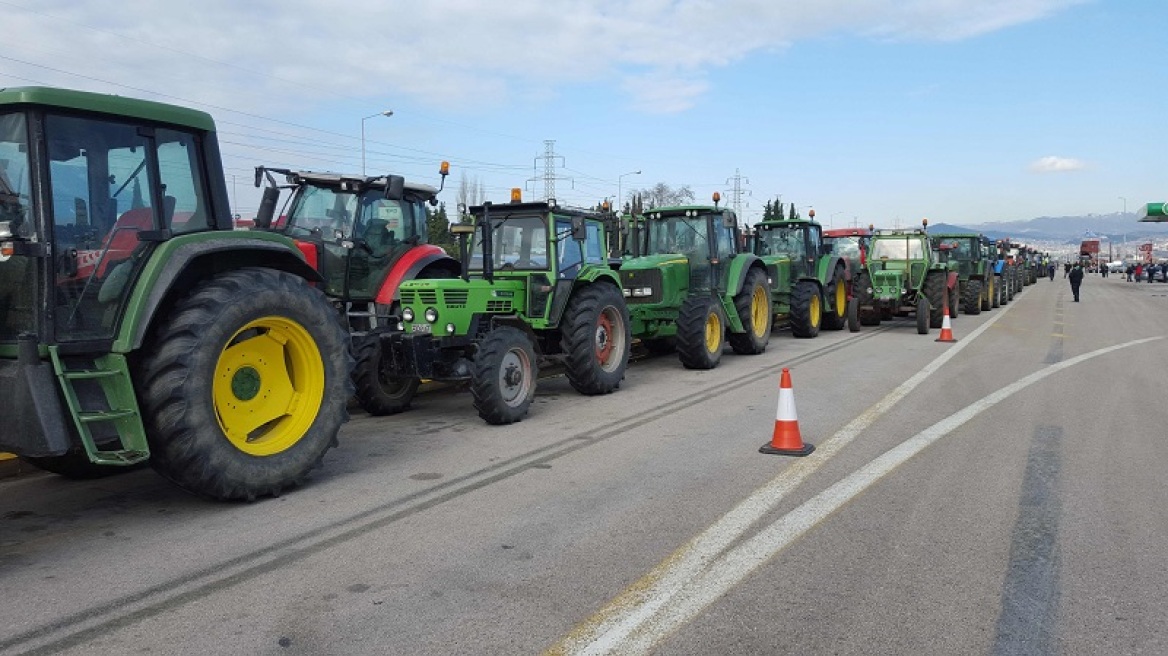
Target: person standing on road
x: 1076, y: 276
x: 1050, y: 271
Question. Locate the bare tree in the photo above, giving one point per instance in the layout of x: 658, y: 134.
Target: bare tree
x: 470, y: 191
x: 662, y: 195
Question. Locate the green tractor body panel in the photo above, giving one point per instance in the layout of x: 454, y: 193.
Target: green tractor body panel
x: 458, y: 302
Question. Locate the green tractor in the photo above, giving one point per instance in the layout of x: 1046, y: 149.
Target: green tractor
x: 689, y: 288
x: 135, y: 324
x: 366, y: 235
x: 906, y: 274
x: 810, y: 284
x: 536, y: 289
x: 974, y: 269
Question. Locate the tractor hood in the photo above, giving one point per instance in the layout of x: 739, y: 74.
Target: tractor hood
x: 448, y: 306
x: 659, y: 279
x: 888, y: 284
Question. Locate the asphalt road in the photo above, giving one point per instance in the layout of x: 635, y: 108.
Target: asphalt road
x: 1002, y: 494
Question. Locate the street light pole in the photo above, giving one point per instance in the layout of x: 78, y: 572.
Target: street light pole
x: 620, y: 202
x: 1124, y: 204
x: 387, y: 113
x: 831, y: 220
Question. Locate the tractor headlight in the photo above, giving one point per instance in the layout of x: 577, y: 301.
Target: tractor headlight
x: 450, y: 328
x: 628, y: 292
x: 401, y: 327
x: 408, y: 314
x: 431, y: 315
x: 641, y: 292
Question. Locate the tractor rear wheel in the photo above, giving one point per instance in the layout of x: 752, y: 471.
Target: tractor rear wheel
x: 923, y: 312
x: 244, y: 384
x: 753, y: 304
x: 935, y: 292
x: 378, y: 392
x: 595, y: 337
x: 954, y: 301
x: 701, y: 332
x: 973, y: 297
x: 806, y: 309
x: 836, y: 316
x: 503, y: 376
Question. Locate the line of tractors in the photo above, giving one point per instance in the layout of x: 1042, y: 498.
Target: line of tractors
x: 137, y: 325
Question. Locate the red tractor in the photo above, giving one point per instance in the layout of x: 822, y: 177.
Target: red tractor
x: 365, y: 235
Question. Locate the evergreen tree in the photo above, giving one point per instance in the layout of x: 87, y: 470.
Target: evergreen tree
x: 793, y: 215
x: 767, y: 212
x: 438, y: 230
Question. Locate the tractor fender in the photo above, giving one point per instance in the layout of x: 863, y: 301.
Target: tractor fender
x: 409, y: 265
x: 178, y: 265
x: 952, y: 279
x: 825, y: 268
x: 740, y: 266
x: 595, y: 274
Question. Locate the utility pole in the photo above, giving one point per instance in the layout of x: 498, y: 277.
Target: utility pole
x: 737, y: 192
x: 549, y: 176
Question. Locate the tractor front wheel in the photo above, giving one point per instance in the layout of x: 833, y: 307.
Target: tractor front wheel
x: 753, y: 304
x: 596, y: 339
x: 854, y: 315
x: 701, y: 333
x: 244, y: 384
x: 923, y: 312
x: 836, y: 316
x: 954, y: 299
x: 806, y: 309
x: 378, y: 391
x: 503, y: 378
x: 935, y: 292
x: 973, y: 297
x: 869, y: 313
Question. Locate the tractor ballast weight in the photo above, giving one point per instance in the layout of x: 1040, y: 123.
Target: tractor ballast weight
x: 690, y: 289
x: 536, y: 290
x: 135, y: 324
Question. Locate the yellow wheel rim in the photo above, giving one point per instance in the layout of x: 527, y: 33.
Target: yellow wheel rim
x: 841, y: 299
x: 816, y: 310
x: 713, y: 332
x: 760, y: 311
x: 268, y: 387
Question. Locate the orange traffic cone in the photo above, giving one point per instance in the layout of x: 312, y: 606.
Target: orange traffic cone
x: 946, y: 327
x: 786, y: 440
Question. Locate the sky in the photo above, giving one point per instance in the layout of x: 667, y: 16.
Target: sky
x: 868, y: 111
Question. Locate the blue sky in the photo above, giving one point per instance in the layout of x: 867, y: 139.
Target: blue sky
x: 878, y: 111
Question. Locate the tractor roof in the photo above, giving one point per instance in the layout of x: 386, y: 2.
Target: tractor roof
x: 772, y: 223
x: 955, y: 235
x: 107, y: 104
x: 674, y: 210
x: 332, y: 179
x: 537, y: 207
x: 847, y: 232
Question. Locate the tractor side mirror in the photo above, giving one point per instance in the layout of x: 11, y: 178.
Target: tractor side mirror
x: 395, y: 187
x: 579, y: 231
x: 462, y: 229
x: 267, y: 208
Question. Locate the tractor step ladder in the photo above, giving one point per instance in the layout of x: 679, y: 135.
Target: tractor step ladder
x: 113, y: 375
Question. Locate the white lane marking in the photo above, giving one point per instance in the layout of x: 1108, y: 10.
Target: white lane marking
x: 732, y: 568
x: 608, y: 628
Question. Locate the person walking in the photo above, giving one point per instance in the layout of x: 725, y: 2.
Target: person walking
x: 1076, y: 277
x: 1050, y: 271
x: 1066, y: 269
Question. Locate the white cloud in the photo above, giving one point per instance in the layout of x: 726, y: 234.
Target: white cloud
x: 451, y: 51
x: 1052, y: 164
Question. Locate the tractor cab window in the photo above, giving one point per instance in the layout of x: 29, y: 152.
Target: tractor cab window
x: 182, y: 180
x: 518, y: 242
x: 385, y: 223
x: 679, y: 234
x: 724, y: 236
x: 847, y: 247
x: 594, y: 252
x: 898, y: 249
x: 322, y: 211
x: 17, y: 273
x: 783, y: 240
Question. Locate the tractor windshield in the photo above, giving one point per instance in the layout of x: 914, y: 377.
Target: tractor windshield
x: 782, y: 240
x: 679, y: 234
x: 517, y: 242
x: 333, y: 214
x: 17, y: 273
x: 848, y: 247
x: 960, y: 248
x: 897, y: 249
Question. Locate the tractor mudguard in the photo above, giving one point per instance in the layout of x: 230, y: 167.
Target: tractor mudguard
x: 952, y: 280
x: 740, y: 265
x: 411, y: 263
x: 825, y: 269
x: 177, y: 264
x: 595, y: 273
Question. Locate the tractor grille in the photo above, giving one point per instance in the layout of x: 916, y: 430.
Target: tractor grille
x: 428, y: 296
x: 640, y: 280
x: 455, y: 298
x: 498, y: 306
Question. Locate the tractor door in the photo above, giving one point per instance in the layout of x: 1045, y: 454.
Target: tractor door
x: 802, y: 255
x: 386, y: 229
x: 323, y: 217
x: 20, y: 292
x: 723, y: 247
x: 117, y: 189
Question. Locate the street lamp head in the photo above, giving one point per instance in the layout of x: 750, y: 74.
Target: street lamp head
x: 388, y: 112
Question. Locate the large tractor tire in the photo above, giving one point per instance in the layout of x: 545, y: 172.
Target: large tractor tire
x: 935, y: 291
x: 701, y: 333
x: 954, y: 301
x: 503, y: 376
x: 923, y: 318
x: 869, y: 313
x: 244, y: 384
x: 595, y: 337
x: 853, y: 315
x: 974, y: 297
x: 806, y: 309
x: 835, y: 317
x: 753, y: 305
x: 987, y: 293
x: 378, y: 392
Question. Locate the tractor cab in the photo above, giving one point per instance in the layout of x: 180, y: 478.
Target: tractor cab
x: 704, y: 239
x: 801, y: 241
x: 352, y: 229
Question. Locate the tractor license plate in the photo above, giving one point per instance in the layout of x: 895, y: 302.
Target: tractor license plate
x: 420, y: 328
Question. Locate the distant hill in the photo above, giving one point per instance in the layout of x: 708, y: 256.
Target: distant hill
x: 1074, y: 228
